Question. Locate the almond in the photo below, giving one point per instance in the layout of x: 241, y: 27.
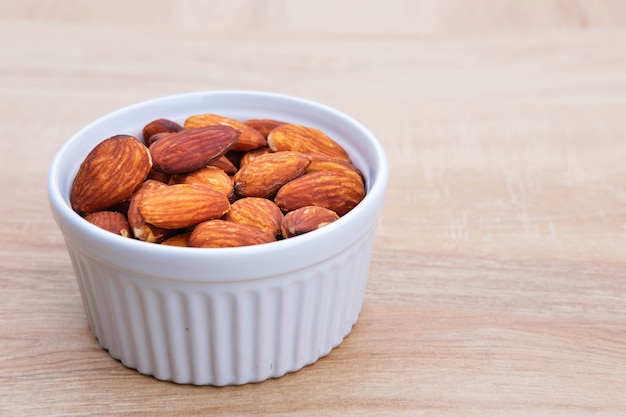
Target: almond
x: 265, y: 174
x: 250, y: 155
x: 258, y: 212
x: 225, y: 165
x: 110, y: 173
x: 142, y: 230
x: 264, y: 126
x: 182, y: 205
x: 209, y: 176
x: 306, y: 219
x: 223, y: 234
x: 320, y: 162
x: 159, y: 126
x: 156, y: 137
x: 192, y: 149
x: 159, y: 176
x: 111, y: 221
x: 292, y: 137
x: 181, y: 239
x: 249, y: 138
x: 339, y: 192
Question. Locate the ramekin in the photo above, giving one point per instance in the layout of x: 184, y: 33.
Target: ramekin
x: 226, y: 316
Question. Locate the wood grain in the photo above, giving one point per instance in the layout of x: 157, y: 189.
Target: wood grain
x: 498, y: 280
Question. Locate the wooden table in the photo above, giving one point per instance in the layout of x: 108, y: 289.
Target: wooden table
x: 498, y: 280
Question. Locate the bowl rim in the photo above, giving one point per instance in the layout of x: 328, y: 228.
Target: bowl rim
x: 66, y: 218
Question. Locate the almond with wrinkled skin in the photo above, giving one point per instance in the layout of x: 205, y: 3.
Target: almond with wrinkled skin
x: 142, y: 230
x: 209, y: 176
x: 110, y: 173
x: 225, y: 234
x: 339, y: 192
x: 249, y: 138
x: 192, y: 149
x: 306, y: 219
x: 182, y: 205
x: 159, y: 176
x: 181, y: 239
x: 156, y: 137
x: 258, y: 212
x: 111, y: 221
x: 292, y: 137
x: 264, y: 126
x: 320, y: 162
x: 250, y: 155
x: 159, y: 126
x: 265, y: 174
x: 225, y: 165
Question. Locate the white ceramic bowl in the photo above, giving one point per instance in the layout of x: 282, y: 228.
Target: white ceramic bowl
x: 222, y: 316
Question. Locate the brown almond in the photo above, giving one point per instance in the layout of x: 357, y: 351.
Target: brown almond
x: 182, y: 205
x: 181, y: 239
x: 292, y: 137
x: 159, y: 176
x: 156, y: 137
x: 192, y: 149
x: 306, y: 219
x: 334, y: 191
x: 209, y: 176
x: 264, y: 126
x: 140, y: 228
x: 250, y: 155
x: 110, y: 173
x: 111, y: 221
x: 320, y: 162
x: 225, y: 165
x: 249, y: 138
x: 258, y: 212
x: 223, y: 234
x: 265, y: 174
x: 159, y: 126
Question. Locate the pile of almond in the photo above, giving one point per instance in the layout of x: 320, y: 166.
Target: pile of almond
x: 216, y: 182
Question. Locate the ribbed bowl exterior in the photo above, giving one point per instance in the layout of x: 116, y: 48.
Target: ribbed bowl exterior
x: 227, y: 334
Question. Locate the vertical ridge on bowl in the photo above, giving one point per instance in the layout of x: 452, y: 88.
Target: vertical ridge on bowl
x: 132, y: 313
x: 120, y: 343
x: 303, y: 322
x: 243, y: 326
x: 80, y: 270
x: 198, y: 337
x: 155, y: 346
x: 264, y: 337
x: 173, y: 310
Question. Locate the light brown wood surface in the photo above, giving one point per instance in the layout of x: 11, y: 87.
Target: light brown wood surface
x: 498, y: 280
